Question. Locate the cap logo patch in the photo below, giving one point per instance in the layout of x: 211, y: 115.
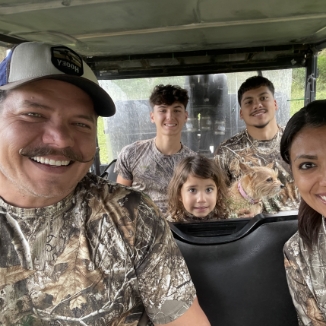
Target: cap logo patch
x: 67, y: 61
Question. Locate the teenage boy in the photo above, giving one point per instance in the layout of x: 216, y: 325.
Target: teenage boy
x: 148, y: 165
x: 259, y: 143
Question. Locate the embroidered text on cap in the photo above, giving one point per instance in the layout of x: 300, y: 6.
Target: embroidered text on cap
x: 67, y: 61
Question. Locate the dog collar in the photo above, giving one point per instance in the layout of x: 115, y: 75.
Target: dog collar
x: 246, y: 196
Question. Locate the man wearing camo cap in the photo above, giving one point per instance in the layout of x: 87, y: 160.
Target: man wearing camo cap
x: 75, y: 249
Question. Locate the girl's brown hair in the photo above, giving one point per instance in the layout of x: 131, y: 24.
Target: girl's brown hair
x: 199, y: 167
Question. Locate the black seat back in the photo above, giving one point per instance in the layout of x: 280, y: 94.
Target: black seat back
x: 242, y: 282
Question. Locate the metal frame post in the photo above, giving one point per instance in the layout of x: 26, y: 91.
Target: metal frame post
x: 311, y: 75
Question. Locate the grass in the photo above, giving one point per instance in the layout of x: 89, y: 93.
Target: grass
x: 297, y: 99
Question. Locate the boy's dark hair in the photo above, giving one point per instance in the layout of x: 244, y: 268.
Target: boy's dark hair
x: 254, y: 82
x: 168, y: 94
x: 200, y: 167
x: 312, y: 115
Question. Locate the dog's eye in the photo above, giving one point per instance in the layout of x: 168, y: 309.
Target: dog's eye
x: 269, y: 180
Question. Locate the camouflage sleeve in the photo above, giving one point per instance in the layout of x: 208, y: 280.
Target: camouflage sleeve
x: 220, y: 158
x: 223, y: 160
x: 305, y: 304
x: 165, y: 284
x: 122, y: 165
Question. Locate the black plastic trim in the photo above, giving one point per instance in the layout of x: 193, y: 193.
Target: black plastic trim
x: 249, y: 226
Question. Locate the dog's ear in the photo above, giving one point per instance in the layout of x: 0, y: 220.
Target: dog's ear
x: 276, y: 171
x: 270, y: 165
x: 252, y: 173
x: 245, y: 169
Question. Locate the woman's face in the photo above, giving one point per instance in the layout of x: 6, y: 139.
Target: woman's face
x: 308, y: 163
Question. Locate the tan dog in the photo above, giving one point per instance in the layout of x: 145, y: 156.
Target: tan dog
x: 256, y: 183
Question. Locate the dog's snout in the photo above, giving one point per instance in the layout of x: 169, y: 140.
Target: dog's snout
x: 282, y: 185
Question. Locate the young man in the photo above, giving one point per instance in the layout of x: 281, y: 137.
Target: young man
x: 73, y: 248
x: 148, y: 165
x: 259, y: 143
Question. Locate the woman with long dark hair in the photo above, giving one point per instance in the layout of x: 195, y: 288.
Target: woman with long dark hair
x: 303, y: 146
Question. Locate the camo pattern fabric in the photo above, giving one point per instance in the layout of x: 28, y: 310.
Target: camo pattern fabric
x: 243, y: 148
x: 306, y: 276
x: 102, y: 256
x: 149, y: 169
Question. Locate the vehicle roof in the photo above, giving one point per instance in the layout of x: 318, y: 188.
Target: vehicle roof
x: 136, y: 37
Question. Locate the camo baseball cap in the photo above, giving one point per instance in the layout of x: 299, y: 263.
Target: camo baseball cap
x: 31, y: 61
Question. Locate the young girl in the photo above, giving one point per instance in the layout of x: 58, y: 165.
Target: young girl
x: 197, y: 191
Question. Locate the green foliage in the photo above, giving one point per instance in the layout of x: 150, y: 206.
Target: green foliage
x: 298, y: 83
x: 321, y: 79
x: 297, y: 89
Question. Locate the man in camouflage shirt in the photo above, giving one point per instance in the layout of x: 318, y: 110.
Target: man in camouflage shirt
x: 259, y: 143
x: 148, y: 165
x: 74, y: 249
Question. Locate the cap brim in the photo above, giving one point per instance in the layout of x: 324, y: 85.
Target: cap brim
x: 103, y: 104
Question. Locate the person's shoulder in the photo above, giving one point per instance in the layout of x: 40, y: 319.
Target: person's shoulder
x: 231, y: 142
x: 132, y: 212
x: 295, y: 239
x: 233, y: 139
x: 188, y: 151
x: 109, y: 192
x: 281, y: 129
x: 96, y: 185
x: 137, y: 145
x: 293, y: 247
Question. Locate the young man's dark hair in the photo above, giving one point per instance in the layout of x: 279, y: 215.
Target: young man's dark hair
x: 168, y: 94
x: 254, y: 82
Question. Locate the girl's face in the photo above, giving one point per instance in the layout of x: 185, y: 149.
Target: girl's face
x: 198, y: 196
x: 308, y: 163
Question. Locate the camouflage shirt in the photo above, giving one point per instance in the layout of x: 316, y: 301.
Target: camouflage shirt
x: 243, y: 148
x: 149, y: 169
x: 306, y: 276
x: 101, y: 256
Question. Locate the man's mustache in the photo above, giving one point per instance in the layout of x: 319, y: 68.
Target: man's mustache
x: 44, y: 151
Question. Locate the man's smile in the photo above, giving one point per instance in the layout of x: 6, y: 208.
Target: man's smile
x: 47, y: 161
x: 258, y: 112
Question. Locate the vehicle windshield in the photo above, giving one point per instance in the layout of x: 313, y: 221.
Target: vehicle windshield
x: 213, y: 109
